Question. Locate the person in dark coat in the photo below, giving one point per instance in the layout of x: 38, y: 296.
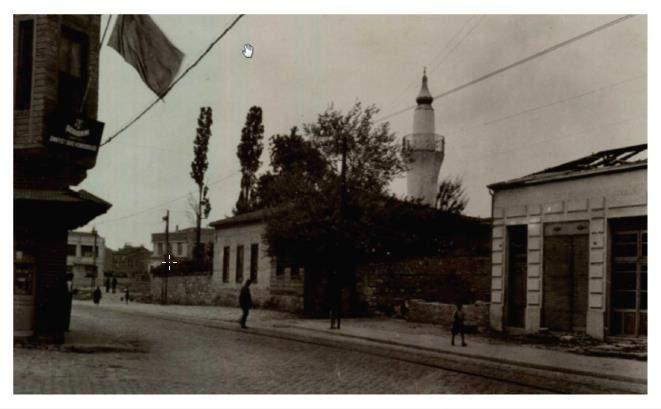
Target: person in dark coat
x: 107, y: 282
x: 458, y: 324
x: 334, y: 297
x: 245, y: 302
x: 126, y: 295
x: 68, y: 300
x: 114, y: 284
x: 96, y: 295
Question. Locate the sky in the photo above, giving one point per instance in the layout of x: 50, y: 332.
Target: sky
x: 588, y: 96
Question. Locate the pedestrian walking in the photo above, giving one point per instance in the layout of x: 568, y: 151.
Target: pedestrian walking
x: 458, y: 324
x: 114, y: 284
x: 334, y: 301
x: 126, y: 295
x: 107, y: 283
x: 96, y: 296
x: 245, y: 302
x: 68, y: 300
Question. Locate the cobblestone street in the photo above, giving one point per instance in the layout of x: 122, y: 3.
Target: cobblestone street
x: 174, y: 357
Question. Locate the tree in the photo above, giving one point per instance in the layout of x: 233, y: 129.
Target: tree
x: 451, y: 197
x: 199, y: 166
x: 309, y: 226
x: 249, y: 151
x: 296, y: 167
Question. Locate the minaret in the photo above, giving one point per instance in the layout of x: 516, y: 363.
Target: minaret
x: 427, y: 149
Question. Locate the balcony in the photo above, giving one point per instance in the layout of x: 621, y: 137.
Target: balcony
x: 424, y: 142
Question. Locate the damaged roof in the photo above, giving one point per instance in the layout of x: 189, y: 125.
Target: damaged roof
x: 612, y: 160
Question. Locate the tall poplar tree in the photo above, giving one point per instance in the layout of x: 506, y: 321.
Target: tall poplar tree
x: 199, y: 166
x: 249, y: 151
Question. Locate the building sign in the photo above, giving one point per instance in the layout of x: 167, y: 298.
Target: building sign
x: 74, y: 130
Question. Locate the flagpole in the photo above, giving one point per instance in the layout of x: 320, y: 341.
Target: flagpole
x: 89, y: 77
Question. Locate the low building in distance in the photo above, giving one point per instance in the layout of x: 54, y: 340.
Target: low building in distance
x: 86, y: 258
x: 182, y: 243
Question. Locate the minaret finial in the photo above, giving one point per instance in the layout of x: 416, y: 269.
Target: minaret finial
x: 424, y: 96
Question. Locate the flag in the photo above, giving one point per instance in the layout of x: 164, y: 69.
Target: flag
x: 143, y: 45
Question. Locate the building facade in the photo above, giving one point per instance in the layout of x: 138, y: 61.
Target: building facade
x: 86, y: 254
x: 427, y: 150
x: 182, y: 243
x: 241, y: 253
x: 569, y: 250
x: 56, y: 139
x: 132, y: 262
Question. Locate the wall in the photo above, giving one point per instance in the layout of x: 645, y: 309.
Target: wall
x: 386, y: 286
x: 202, y: 290
x: 597, y: 199
x: 476, y: 314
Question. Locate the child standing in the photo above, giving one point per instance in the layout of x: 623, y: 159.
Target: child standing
x: 458, y: 324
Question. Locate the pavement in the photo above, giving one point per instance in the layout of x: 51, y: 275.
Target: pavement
x: 414, y: 342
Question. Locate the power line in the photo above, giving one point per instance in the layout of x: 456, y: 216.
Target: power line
x: 468, y: 33
x: 432, y: 61
x: 169, y: 201
x: 516, y: 63
x: 179, y: 78
x: 529, y: 110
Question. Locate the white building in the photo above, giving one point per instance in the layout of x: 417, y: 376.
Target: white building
x: 85, y: 258
x: 427, y: 150
x: 570, y: 247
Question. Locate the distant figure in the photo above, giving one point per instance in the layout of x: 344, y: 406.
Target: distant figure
x: 458, y: 324
x: 68, y: 299
x: 245, y: 302
x: 334, y: 301
x: 96, y: 295
x: 107, y: 284
x: 114, y: 284
x: 126, y: 295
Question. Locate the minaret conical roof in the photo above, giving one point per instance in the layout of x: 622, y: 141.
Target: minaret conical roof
x: 424, y: 96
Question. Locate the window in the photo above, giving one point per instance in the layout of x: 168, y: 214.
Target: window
x: 254, y: 260
x: 159, y: 249
x: 25, y: 48
x: 239, y: 264
x: 226, y: 264
x: 71, y: 249
x: 86, y: 251
x: 179, y: 249
x: 72, y: 63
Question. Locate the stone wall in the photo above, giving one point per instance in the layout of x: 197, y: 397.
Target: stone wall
x: 386, y: 286
x: 477, y: 314
x: 202, y: 290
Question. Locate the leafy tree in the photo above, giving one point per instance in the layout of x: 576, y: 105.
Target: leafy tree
x: 307, y: 224
x: 249, y: 151
x: 202, y: 206
x: 297, y: 166
x: 451, y: 197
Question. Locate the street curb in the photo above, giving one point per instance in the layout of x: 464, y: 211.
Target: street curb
x: 620, y: 378
x: 548, y: 380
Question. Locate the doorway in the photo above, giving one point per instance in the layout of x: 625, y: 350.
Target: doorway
x: 628, y: 281
x: 517, y: 268
x: 565, y: 280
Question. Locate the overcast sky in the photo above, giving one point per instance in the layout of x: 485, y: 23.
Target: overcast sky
x: 508, y: 126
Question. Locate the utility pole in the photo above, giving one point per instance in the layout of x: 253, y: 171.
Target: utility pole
x: 164, y: 293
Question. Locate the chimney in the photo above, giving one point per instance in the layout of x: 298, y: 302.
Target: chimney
x: 176, y: 227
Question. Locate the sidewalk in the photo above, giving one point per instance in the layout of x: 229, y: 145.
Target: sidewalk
x: 399, y: 334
